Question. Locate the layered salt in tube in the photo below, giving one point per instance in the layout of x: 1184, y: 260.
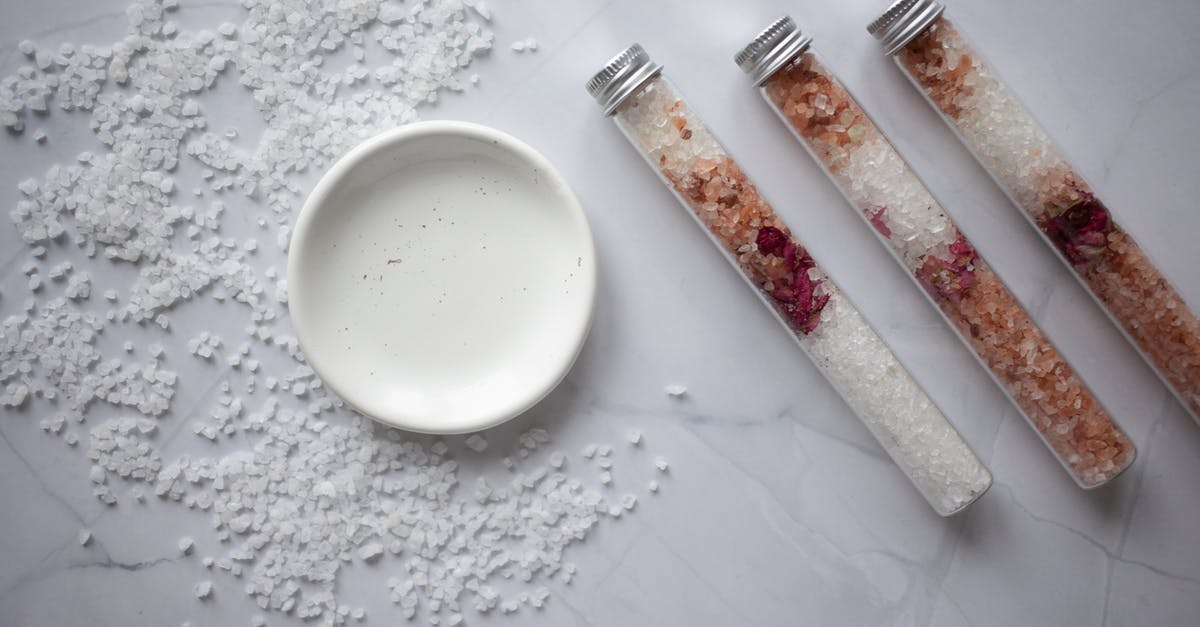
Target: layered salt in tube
x: 1017, y: 152
x: 670, y: 137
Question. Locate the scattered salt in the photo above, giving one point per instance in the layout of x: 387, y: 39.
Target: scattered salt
x: 528, y: 44
x: 363, y: 487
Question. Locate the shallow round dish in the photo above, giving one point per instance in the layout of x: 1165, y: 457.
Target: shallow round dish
x: 441, y: 277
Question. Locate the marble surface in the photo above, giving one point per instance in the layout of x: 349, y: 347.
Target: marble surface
x: 779, y: 507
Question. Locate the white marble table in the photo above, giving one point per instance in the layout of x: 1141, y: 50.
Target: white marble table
x: 779, y: 508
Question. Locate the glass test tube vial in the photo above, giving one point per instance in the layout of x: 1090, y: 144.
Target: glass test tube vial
x: 1032, y: 171
x: 655, y: 118
x: 889, y: 195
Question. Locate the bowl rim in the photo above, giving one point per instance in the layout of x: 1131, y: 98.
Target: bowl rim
x: 318, y: 199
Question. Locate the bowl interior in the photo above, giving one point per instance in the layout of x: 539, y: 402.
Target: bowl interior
x: 441, y: 277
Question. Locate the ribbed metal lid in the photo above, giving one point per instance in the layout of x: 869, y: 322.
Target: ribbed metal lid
x: 776, y: 46
x: 621, y: 77
x: 904, y: 20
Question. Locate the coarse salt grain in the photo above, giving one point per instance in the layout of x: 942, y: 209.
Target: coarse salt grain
x: 676, y: 390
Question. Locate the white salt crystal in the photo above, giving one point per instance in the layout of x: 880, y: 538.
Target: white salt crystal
x: 186, y: 545
x: 476, y: 443
x: 481, y: 8
x: 675, y: 390
x: 370, y: 552
x: 203, y: 590
x: 84, y: 537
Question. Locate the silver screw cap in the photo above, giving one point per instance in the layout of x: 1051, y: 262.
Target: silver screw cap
x: 773, y: 48
x: 904, y: 20
x: 621, y: 77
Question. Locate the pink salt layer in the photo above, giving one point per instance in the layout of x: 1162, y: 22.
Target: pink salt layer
x: 1024, y: 361
x: 747, y: 227
x: 1110, y: 263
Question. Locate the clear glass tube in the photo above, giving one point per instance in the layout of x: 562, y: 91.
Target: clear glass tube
x: 1020, y: 156
x: 909, y: 426
x: 889, y: 195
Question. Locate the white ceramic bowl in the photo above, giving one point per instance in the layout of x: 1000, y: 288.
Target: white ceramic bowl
x: 441, y: 277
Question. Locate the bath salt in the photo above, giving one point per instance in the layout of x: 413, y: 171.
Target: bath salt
x: 671, y: 138
x: 476, y: 443
x: 1050, y: 192
x: 889, y: 195
x: 296, y: 485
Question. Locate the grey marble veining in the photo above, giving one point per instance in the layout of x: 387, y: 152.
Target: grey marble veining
x: 779, y: 509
